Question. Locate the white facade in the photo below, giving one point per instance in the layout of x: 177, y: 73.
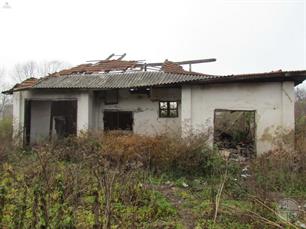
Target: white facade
x: 40, y: 112
x: 145, y: 112
x: 273, y: 104
x: 90, y: 111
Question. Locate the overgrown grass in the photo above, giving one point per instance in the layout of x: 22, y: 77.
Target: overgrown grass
x: 120, y: 180
x: 5, y: 137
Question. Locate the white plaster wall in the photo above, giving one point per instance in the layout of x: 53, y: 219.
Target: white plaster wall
x: 186, y: 119
x: 145, y: 114
x: 40, y: 120
x: 84, y: 106
x: 17, y: 115
x: 84, y: 111
x: 273, y: 103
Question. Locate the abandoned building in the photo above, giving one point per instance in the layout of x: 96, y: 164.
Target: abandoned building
x: 148, y: 98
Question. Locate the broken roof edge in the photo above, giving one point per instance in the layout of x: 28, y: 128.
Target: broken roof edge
x: 297, y: 76
x: 112, y: 65
x: 24, y: 85
x: 7, y: 92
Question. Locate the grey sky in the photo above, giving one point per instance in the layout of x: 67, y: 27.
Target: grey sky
x: 244, y: 36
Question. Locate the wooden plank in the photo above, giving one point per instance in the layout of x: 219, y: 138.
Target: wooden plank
x: 178, y: 62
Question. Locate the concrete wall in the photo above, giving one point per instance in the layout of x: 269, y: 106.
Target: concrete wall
x: 145, y: 113
x: 18, y: 116
x: 273, y: 103
x: 40, y: 120
x: 90, y: 111
x: 84, y: 110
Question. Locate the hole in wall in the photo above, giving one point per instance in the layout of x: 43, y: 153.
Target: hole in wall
x: 234, y: 132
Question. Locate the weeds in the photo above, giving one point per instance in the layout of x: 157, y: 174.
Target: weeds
x: 104, y: 180
x: 5, y: 138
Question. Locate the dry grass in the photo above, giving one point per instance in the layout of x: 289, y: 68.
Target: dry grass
x: 52, y: 183
x: 5, y: 138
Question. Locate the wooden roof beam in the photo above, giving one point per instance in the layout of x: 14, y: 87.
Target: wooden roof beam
x: 200, y: 61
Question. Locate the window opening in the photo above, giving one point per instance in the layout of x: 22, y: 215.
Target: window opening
x: 118, y: 120
x: 234, y: 131
x: 168, y: 109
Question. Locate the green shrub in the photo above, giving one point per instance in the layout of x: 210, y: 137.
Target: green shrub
x: 5, y: 137
x: 76, y: 181
x: 6, y: 128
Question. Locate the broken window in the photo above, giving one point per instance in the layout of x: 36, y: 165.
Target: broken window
x: 118, y: 120
x: 234, y: 131
x: 168, y: 109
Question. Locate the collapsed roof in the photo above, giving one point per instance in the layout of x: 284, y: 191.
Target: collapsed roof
x: 99, y: 67
x: 118, y: 73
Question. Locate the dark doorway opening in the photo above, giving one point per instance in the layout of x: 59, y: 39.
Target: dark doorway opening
x: 118, y: 120
x: 234, y: 131
x: 27, y: 122
x: 63, y: 121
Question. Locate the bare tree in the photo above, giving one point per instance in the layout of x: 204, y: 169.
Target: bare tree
x: 4, y: 99
x: 300, y: 93
x: 23, y: 71
x: 29, y: 69
x: 300, y: 103
x: 47, y: 67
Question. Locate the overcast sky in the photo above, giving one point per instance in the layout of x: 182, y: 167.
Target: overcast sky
x: 244, y: 36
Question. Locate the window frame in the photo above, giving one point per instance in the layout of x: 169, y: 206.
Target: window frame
x: 168, y: 109
x: 116, y: 123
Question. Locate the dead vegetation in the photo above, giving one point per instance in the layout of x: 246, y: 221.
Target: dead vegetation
x: 100, y: 180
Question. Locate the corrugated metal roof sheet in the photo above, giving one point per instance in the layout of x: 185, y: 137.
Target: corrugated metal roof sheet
x: 147, y: 78
x: 118, y: 80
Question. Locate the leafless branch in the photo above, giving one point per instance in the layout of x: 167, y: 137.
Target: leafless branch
x: 4, y: 99
x: 29, y: 69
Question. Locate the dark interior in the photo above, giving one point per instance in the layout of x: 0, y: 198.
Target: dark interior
x: 118, y: 120
x: 64, y: 118
x: 234, y: 130
x: 27, y: 122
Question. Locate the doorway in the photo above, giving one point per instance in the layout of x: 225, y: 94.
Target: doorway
x: 63, y: 120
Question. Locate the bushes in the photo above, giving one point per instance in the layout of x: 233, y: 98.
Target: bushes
x: 5, y: 137
x: 279, y: 171
x: 6, y: 129
x: 102, y: 179
x: 96, y: 180
x: 161, y: 153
